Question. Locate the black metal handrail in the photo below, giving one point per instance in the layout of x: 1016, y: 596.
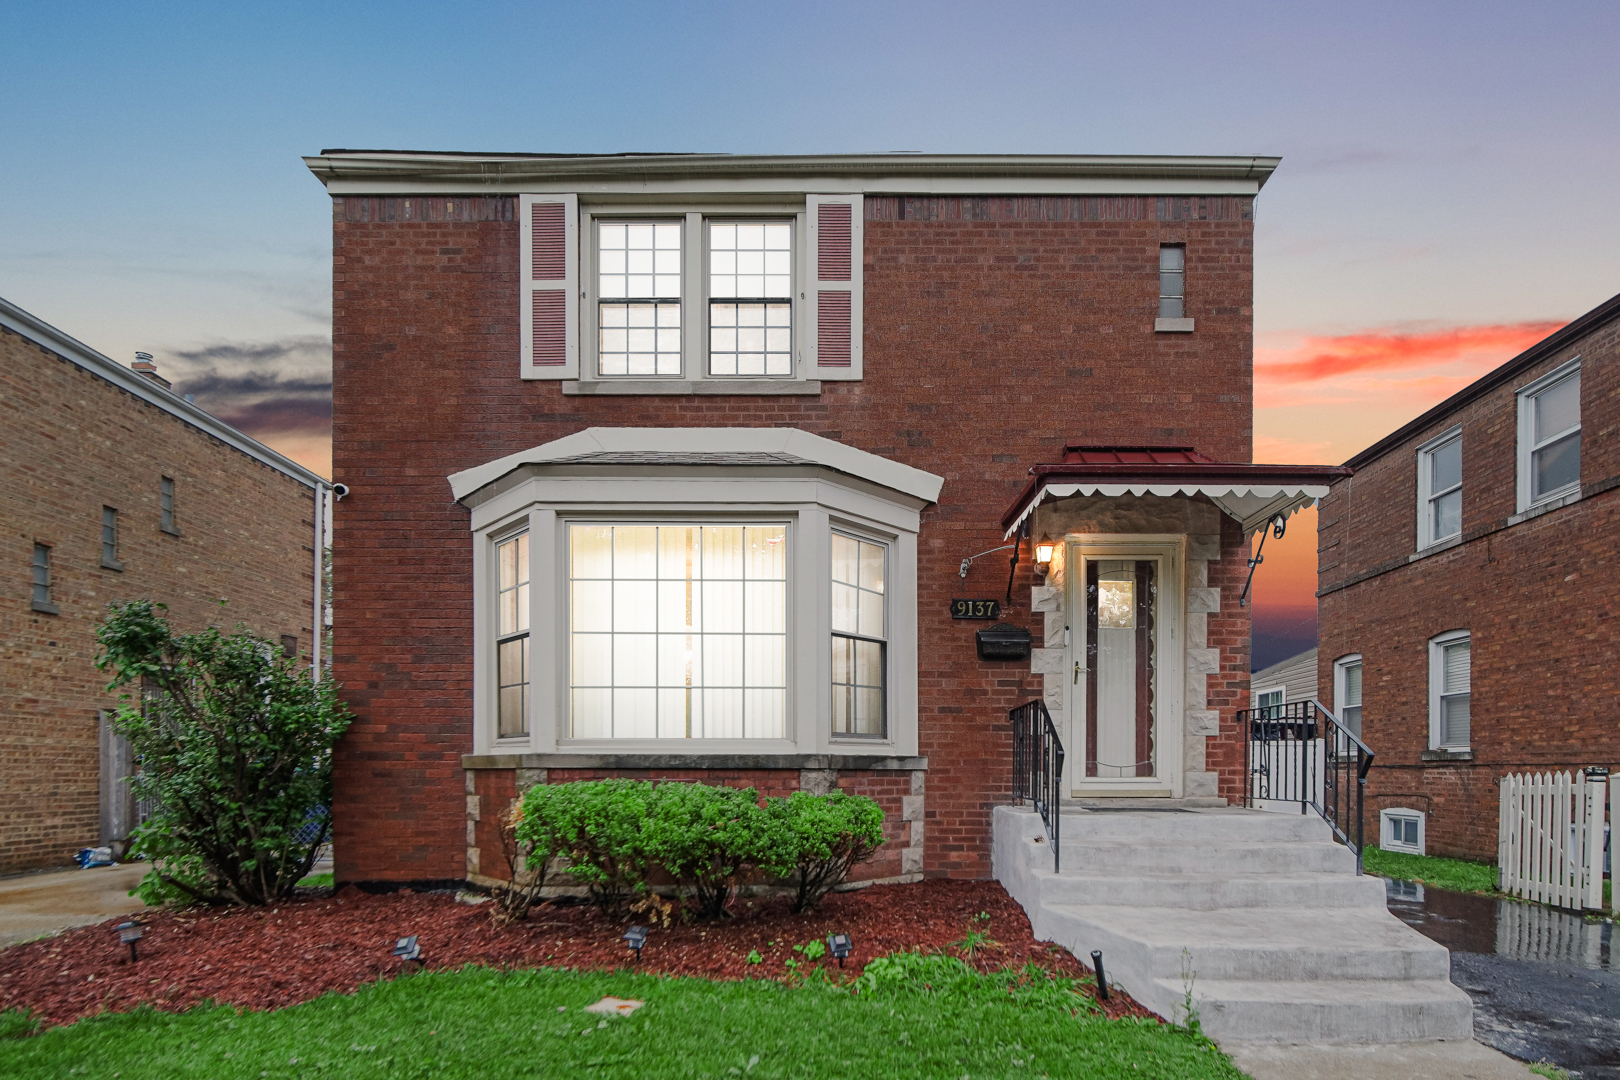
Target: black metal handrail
x: 1300, y: 752
x: 1038, y: 767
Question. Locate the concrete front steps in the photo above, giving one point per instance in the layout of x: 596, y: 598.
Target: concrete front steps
x: 1261, y: 915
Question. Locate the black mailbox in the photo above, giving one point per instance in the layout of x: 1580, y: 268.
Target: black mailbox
x: 1003, y: 641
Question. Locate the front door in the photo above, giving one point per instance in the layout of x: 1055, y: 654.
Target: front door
x: 1124, y: 669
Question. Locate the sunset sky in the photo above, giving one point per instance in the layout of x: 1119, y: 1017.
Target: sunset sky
x: 1446, y: 196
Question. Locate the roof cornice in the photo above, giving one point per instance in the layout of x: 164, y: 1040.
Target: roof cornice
x: 1604, y: 313
x: 77, y: 352
x: 399, y: 172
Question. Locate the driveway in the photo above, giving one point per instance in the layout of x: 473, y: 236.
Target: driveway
x: 37, y: 904
x: 1545, y: 983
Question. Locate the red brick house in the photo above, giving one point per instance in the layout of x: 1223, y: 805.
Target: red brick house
x: 117, y: 488
x: 1468, y: 591
x: 673, y: 466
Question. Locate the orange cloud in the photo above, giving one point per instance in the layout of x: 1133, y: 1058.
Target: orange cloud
x: 1325, y: 357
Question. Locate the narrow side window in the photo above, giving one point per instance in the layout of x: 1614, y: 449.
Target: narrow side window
x: 166, y: 506
x: 860, y: 637
x: 1172, y: 281
x: 109, y: 539
x: 1347, y: 692
x: 42, y: 580
x: 512, y: 636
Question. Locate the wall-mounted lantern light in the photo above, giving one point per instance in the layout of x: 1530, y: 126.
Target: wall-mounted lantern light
x: 1043, y: 552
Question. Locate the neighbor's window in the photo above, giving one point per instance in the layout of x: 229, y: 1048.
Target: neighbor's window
x: 1550, y: 438
x: 1440, y: 490
x: 639, y: 298
x: 512, y: 636
x: 1172, y: 281
x: 751, y: 298
x: 678, y: 631
x: 42, y: 580
x: 166, y: 506
x: 1347, y: 692
x: 859, y: 636
x: 109, y: 539
x: 1449, y: 679
x: 1268, y: 699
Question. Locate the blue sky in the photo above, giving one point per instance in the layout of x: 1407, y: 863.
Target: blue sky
x: 1445, y: 165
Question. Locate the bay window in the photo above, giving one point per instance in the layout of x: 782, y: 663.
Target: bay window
x: 512, y: 643
x: 859, y: 636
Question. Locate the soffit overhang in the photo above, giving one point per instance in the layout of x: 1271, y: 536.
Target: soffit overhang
x: 383, y: 172
x: 707, y: 451
x: 1251, y: 494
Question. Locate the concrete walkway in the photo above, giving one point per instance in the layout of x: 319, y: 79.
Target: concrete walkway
x: 38, y: 904
x: 1456, y: 1060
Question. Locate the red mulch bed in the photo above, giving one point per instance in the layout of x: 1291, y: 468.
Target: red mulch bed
x: 264, y: 959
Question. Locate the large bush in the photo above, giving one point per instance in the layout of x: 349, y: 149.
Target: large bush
x: 615, y: 832
x: 816, y: 839
x: 234, y: 741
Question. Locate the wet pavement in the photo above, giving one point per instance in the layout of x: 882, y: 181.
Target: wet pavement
x: 1545, y: 983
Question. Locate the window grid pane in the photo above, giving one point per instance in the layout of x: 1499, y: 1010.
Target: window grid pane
x: 512, y: 630
x: 639, y: 291
x: 1172, y: 281
x: 109, y: 535
x: 42, y: 574
x: 678, y: 631
x: 750, y: 292
x: 166, y: 504
x: 860, y: 630
x: 1555, y: 437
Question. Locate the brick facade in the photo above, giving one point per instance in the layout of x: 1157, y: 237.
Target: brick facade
x: 73, y: 443
x: 996, y: 331
x: 1538, y: 593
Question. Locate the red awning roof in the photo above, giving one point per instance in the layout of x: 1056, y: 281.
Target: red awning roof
x: 1253, y: 494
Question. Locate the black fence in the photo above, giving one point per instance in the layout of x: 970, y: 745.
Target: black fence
x: 1300, y: 753
x: 1038, y: 768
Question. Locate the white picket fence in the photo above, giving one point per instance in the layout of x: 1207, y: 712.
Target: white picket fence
x: 1550, y: 837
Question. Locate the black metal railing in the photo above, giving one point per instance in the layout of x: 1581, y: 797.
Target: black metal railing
x: 1038, y: 767
x: 1299, y: 752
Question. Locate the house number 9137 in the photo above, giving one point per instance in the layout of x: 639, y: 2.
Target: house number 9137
x: 975, y: 609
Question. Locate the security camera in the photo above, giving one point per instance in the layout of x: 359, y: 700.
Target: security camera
x: 339, y: 490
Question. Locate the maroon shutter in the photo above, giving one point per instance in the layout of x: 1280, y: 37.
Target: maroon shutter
x: 550, y: 264
x: 832, y: 329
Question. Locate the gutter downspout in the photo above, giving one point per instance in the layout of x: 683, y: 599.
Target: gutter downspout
x: 319, y: 612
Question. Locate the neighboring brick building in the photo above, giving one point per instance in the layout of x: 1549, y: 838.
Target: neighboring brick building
x: 840, y: 396
x: 114, y: 488
x: 1468, y: 590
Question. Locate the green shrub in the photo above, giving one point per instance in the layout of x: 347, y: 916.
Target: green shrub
x: 816, y: 839
x: 234, y: 741
x: 597, y: 824
x: 705, y: 836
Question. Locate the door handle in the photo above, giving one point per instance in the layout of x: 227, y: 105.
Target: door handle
x: 1077, y: 673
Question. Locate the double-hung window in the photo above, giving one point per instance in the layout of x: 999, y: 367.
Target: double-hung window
x: 1347, y: 692
x: 109, y: 539
x: 1550, y: 437
x: 678, y: 631
x: 1450, y: 658
x: 859, y: 636
x: 1440, y: 489
x: 751, y: 298
x: 1268, y: 702
x: 639, y: 297
x: 42, y: 580
x: 166, y: 520
x: 512, y: 636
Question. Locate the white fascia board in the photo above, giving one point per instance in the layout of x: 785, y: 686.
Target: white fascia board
x: 44, y: 334
x: 801, y: 444
x: 376, y: 173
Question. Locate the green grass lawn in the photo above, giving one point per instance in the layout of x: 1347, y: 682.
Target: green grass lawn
x: 485, y: 1023
x: 1455, y: 874
x: 317, y: 881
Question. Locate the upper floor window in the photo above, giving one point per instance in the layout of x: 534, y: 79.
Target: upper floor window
x: 42, y: 580
x: 1347, y: 692
x: 639, y: 297
x: 109, y: 539
x: 751, y: 298
x: 1450, y: 696
x: 1172, y: 281
x: 1440, y: 489
x: 166, y: 518
x: 1550, y: 437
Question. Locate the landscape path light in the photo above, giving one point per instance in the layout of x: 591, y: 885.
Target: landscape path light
x: 1102, y: 980
x: 409, y: 952
x: 128, y: 934
x: 636, y: 937
x: 839, y: 945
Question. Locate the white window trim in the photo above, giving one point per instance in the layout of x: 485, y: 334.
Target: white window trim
x: 1425, y: 492
x: 694, y: 289
x: 1437, y: 684
x: 1405, y: 814
x: 1339, y: 666
x: 1255, y: 693
x: 814, y: 502
x: 1525, y: 394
